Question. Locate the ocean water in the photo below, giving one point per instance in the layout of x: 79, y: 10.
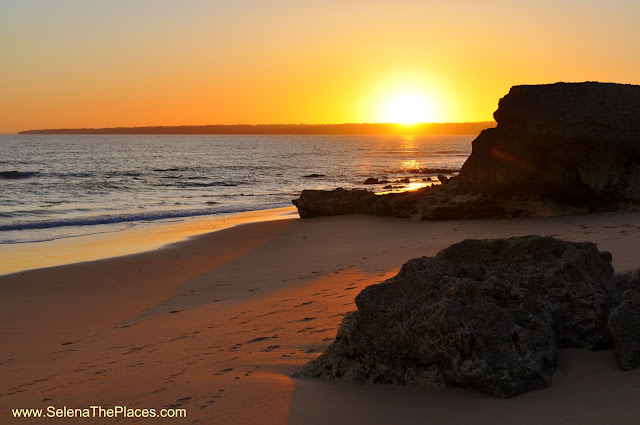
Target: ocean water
x: 69, y: 185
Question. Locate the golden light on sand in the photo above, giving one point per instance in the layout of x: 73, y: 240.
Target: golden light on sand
x: 409, y: 108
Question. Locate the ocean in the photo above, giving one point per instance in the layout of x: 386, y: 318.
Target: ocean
x: 71, y: 185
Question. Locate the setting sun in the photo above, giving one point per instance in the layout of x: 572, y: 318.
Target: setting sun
x: 408, y: 108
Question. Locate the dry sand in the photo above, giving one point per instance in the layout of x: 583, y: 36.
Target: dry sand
x: 216, y: 323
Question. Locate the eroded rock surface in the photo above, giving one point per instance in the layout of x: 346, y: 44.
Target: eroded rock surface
x: 484, y: 314
x: 624, y: 324
x: 576, y: 142
x: 314, y: 203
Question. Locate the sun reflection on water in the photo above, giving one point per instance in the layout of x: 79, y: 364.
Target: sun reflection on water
x: 410, y: 164
x: 409, y: 188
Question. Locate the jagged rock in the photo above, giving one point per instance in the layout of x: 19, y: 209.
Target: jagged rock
x: 371, y: 180
x: 574, y: 142
x: 624, y: 324
x: 340, y: 201
x: 432, y: 170
x: 484, y: 314
x: 443, y: 179
x: 628, y: 280
x: 441, y: 202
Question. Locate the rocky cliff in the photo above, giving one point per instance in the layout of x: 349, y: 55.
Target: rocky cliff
x: 575, y: 142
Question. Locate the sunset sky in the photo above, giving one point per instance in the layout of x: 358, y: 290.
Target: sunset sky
x: 152, y: 62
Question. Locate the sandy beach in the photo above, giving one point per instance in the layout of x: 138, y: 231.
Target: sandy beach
x: 216, y: 323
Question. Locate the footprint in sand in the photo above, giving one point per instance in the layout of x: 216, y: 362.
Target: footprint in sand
x: 223, y: 371
x: 270, y: 348
x: 262, y: 338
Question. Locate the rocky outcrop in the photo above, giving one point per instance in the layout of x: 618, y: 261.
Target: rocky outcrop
x: 431, y: 203
x: 371, y: 180
x: 624, y: 325
x: 628, y: 280
x: 557, y: 149
x: 484, y: 314
x: 576, y: 142
x: 313, y: 203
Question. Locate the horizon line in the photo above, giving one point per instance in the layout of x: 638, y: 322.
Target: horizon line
x: 238, y: 127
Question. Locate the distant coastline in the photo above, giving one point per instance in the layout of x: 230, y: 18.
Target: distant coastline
x: 322, y: 129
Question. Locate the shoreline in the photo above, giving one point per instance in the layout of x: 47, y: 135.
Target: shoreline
x: 217, y: 322
x: 18, y: 257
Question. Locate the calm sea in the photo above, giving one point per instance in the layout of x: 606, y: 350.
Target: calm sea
x: 78, y: 184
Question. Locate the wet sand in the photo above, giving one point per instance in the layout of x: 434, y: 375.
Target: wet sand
x: 216, y: 323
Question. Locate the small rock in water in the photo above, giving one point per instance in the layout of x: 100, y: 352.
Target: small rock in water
x: 443, y: 179
x: 371, y: 180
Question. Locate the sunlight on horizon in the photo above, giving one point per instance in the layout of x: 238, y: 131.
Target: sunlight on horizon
x: 409, y: 108
x: 145, y: 63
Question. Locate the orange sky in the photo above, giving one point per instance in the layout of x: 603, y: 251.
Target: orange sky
x: 130, y: 63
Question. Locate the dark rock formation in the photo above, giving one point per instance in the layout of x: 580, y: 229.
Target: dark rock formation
x: 624, y: 325
x: 432, y: 170
x: 430, y: 203
x: 484, y: 314
x: 340, y: 201
x: 557, y: 149
x: 443, y: 179
x: 314, y: 176
x: 628, y: 280
x: 575, y: 142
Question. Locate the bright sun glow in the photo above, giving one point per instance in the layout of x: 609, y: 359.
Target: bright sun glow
x: 409, y: 108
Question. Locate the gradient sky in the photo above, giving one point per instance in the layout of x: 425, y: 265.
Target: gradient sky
x: 152, y: 62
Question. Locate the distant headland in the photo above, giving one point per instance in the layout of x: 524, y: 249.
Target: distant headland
x: 326, y: 129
